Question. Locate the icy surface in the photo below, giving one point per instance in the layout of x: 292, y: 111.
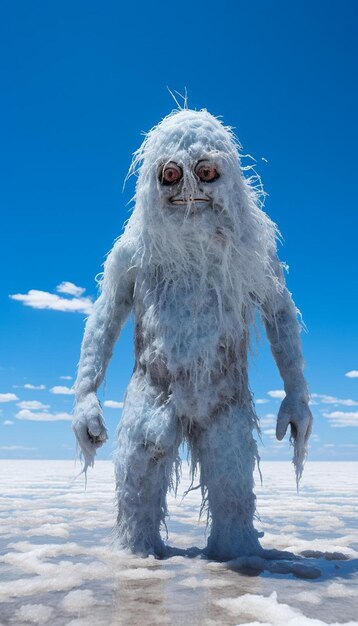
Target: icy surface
x: 58, y: 564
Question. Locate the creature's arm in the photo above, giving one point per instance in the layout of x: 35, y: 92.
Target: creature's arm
x: 101, y: 332
x: 283, y: 331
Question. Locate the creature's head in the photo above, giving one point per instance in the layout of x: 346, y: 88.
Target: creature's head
x: 194, y: 207
x: 189, y: 164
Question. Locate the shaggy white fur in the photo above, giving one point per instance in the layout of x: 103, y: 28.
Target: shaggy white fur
x: 196, y: 260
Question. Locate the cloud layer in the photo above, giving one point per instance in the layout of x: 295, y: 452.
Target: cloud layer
x: 341, y: 419
x: 62, y: 390
x: 352, y: 374
x: 319, y: 397
x: 8, y: 397
x: 26, y: 414
x: 32, y: 405
x: 70, y: 288
x: 113, y: 404
x: 37, y: 299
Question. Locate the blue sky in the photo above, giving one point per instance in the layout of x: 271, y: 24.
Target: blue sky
x: 80, y: 81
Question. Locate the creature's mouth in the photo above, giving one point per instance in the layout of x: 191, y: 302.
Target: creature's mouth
x: 189, y: 200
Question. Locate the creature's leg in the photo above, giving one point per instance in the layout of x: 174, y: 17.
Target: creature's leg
x: 226, y: 453
x: 146, y: 457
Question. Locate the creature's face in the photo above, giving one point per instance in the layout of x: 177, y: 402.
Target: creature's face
x: 189, y: 185
x: 190, y: 164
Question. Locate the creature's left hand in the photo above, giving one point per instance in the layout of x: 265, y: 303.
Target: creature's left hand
x: 294, y: 410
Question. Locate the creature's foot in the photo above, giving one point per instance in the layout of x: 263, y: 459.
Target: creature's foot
x: 189, y: 553
x: 244, y: 553
x: 254, y: 565
x: 225, y: 546
x: 276, y: 555
x: 144, y: 546
x: 257, y: 551
x: 328, y: 556
x: 160, y: 550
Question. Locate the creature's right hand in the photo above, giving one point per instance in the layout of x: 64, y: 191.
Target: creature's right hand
x: 88, y: 424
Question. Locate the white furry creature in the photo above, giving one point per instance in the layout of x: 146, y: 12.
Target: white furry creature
x: 196, y: 260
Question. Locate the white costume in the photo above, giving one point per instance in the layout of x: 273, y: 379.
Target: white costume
x: 196, y: 260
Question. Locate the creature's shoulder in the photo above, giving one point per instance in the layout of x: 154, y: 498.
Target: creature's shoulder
x: 120, y: 266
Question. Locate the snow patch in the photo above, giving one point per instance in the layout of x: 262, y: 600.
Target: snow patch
x: 34, y: 613
x: 270, y: 612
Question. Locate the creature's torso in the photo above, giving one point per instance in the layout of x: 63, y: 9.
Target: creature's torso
x: 188, y: 344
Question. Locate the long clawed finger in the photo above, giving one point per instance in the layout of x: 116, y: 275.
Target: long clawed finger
x: 300, y: 433
x: 282, y: 425
x: 308, y: 431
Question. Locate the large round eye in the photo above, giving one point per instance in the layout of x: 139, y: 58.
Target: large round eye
x: 170, y: 174
x: 206, y: 172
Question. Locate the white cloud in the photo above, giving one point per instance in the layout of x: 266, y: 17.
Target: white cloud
x: 316, y: 398
x: 333, y: 400
x: 14, y: 448
x: 341, y: 419
x: 26, y: 414
x: 352, y: 374
x: 113, y: 404
x: 8, y: 423
x: 62, y: 390
x: 70, y: 288
x: 271, y: 432
x: 32, y: 404
x: 277, y: 393
x: 66, y: 377
x: 268, y: 420
x: 261, y: 401
x: 29, y: 386
x: 44, y: 300
x: 8, y: 397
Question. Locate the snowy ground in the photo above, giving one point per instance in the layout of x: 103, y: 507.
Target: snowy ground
x: 58, y: 565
